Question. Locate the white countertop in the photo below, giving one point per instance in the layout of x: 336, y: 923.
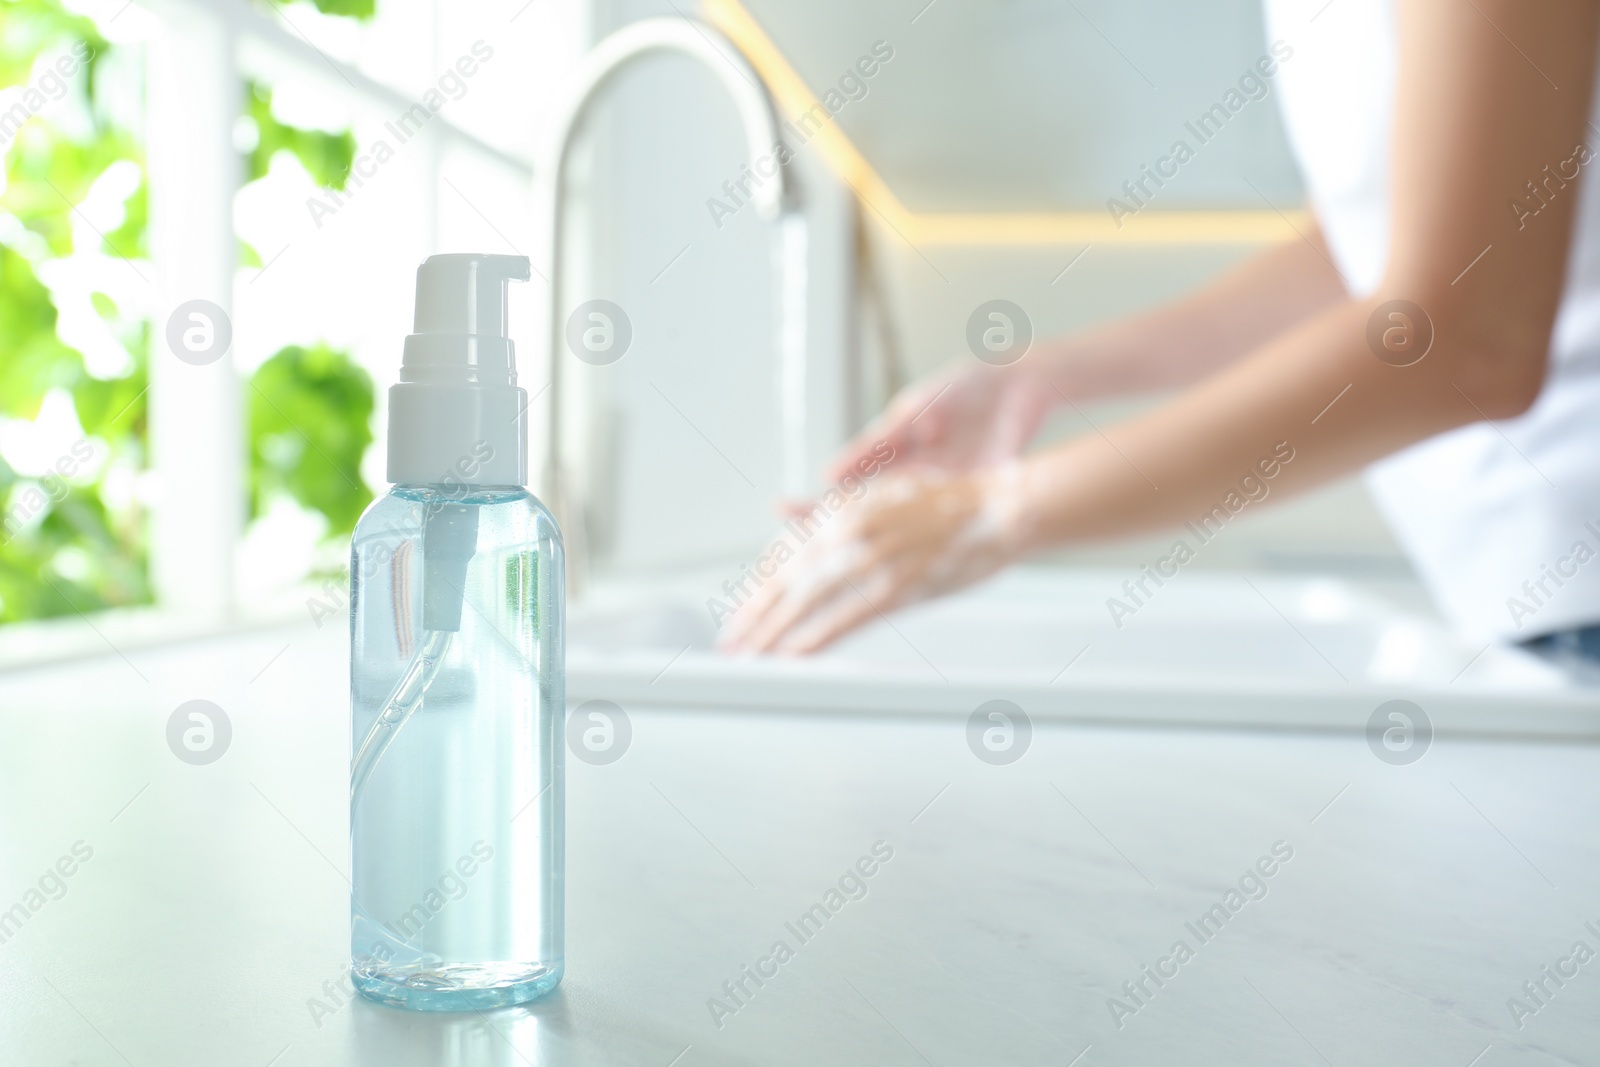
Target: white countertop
x: 1018, y: 900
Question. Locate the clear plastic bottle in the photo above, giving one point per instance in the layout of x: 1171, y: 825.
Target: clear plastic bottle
x: 456, y: 681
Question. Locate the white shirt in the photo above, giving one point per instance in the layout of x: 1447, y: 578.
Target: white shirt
x: 1501, y: 520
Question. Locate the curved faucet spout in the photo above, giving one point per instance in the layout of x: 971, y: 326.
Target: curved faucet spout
x: 716, y: 53
x: 775, y: 200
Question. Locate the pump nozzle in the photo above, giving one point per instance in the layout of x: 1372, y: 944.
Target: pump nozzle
x: 457, y: 416
x: 464, y: 293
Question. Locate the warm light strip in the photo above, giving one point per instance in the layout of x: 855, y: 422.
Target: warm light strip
x: 793, y: 97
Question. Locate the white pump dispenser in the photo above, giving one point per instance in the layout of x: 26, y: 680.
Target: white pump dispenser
x: 457, y: 415
x: 457, y: 617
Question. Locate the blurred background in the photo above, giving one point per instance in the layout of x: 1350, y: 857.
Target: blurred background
x: 280, y: 169
x: 254, y: 155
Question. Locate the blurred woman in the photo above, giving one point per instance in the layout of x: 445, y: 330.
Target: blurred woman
x: 1439, y: 326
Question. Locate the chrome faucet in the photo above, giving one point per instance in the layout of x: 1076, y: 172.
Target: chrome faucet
x: 775, y: 201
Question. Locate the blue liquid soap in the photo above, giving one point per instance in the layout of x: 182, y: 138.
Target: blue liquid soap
x: 456, y: 682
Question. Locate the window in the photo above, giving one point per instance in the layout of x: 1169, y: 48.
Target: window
x: 260, y: 175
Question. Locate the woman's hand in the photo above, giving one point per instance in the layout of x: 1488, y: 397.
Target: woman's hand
x: 959, y: 420
x: 911, y: 536
x: 975, y: 415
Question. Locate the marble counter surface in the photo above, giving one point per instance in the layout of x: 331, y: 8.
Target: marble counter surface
x: 1359, y: 912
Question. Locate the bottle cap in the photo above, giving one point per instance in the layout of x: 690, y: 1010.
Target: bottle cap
x: 457, y: 415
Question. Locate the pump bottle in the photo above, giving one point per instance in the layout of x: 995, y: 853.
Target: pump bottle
x: 457, y: 613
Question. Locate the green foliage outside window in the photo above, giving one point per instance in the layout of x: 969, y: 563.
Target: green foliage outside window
x: 310, y: 422
x: 69, y: 541
x: 326, y: 156
x: 356, y: 9
x: 63, y: 548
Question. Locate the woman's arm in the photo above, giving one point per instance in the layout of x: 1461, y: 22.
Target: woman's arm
x: 972, y: 415
x: 1181, y: 342
x: 1489, y: 94
x: 1476, y: 120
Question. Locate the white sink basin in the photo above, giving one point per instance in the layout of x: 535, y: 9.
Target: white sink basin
x: 1222, y: 648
